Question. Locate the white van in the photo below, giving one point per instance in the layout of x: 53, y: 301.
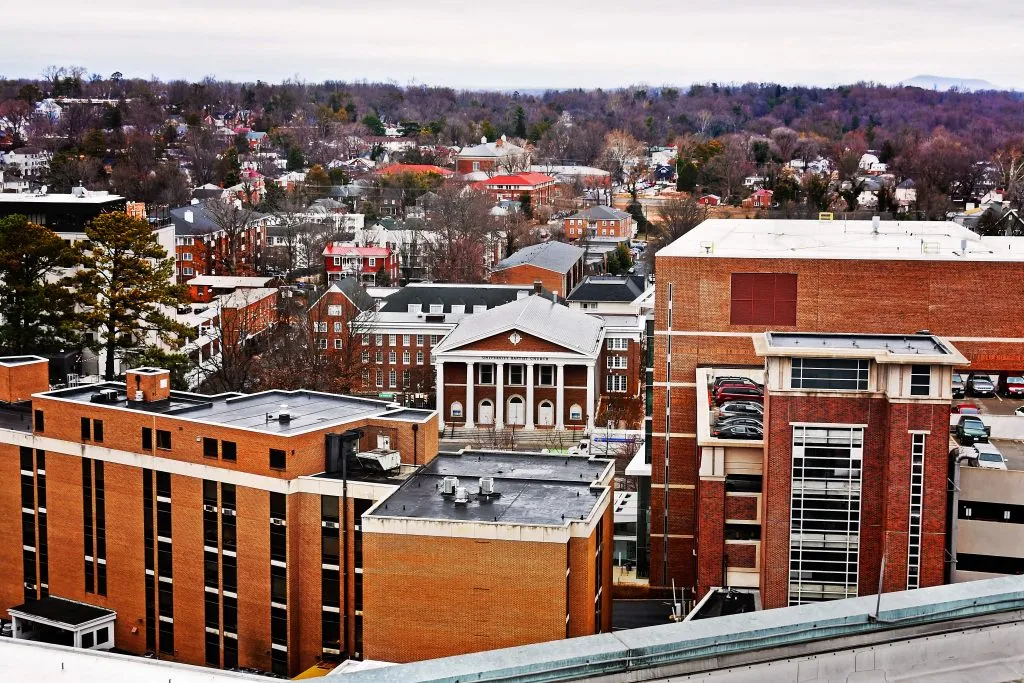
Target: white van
x: 989, y: 457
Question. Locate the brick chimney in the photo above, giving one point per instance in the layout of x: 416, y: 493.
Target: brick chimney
x: 22, y: 376
x: 147, y: 385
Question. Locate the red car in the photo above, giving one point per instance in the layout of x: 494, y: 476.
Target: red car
x: 965, y: 409
x: 1013, y: 386
x: 738, y: 392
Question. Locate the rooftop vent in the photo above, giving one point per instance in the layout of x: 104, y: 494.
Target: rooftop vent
x: 448, y: 486
x: 283, y: 415
x: 105, y: 396
x: 461, y: 496
x: 876, y: 223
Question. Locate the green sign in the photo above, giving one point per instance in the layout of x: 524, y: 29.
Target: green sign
x: 386, y: 394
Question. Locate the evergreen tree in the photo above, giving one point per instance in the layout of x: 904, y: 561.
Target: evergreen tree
x: 37, y: 309
x: 127, y: 278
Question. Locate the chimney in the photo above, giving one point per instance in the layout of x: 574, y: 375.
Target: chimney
x: 876, y: 222
x: 538, y: 287
x: 483, y: 140
x: 22, y: 376
x: 190, y: 216
x: 147, y: 385
x: 500, y: 142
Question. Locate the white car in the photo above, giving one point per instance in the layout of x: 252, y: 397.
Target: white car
x: 989, y: 457
x: 1019, y: 412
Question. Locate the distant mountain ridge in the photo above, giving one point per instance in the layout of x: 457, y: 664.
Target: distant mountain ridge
x: 929, y: 82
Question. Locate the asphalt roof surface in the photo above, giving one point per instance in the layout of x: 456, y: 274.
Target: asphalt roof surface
x: 63, y: 611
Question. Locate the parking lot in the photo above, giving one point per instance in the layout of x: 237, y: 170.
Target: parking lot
x: 1013, y: 451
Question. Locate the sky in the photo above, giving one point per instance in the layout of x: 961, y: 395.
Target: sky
x: 527, y: 44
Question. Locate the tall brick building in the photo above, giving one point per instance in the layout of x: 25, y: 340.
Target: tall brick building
x: 727, y: 282
x: 228, y: 530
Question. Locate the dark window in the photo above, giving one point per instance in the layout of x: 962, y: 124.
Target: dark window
x: 40, y: 420
x: 209, y: 447
x: 992, y: 564
x: 88, y: 640
x: 209, y: 492
x: 211, y: 572
x: 167, y: 637
x: 97, y: 431
x: 229, y: 573
x: 277, y: 459
x: 147, y: 439
x: 163, y: 483
x: 230, y: 653
x: 330, y: 587
x: 830, y: 373
x: 278, y: 584
x: 763, y: 299
x: 101, y: 578
x: 329, y: 508
x: 278, y: 625
x: 166, y: 595
x: 211, y: 602
x: 330, y: 629
x: 228, y: 450
x: 213, y: 647
x: 163, y: 439
x: 920, y: 380
x: 86, y: 429
x: 102, y: 635
x: 278, y: 505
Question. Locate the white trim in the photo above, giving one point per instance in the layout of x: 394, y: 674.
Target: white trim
x: 334, y: 610
x: 279, y: 648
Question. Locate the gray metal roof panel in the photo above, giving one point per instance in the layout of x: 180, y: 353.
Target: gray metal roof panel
x: 555, y: 256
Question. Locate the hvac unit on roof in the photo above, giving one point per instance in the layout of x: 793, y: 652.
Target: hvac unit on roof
x: 487, y: 486
x: 462, y: 496
x: 448, y: 486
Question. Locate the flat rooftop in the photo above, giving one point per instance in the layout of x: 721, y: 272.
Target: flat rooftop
x: 840, y: 239
x: 14, y: 361
x: 309, y: 410
x: 532, y: 488
x: 90, y: 197
x: 63, y: 611
x: 883, y: 348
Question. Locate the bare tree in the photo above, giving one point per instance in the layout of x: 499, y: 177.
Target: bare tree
x: 785, y: 141
x: 677, y: 217
x: 1009, y: 163
x: 228, y: 359
x: 232, y: 218
x: 462, y: 221
x: 14, y: 118
x: 200, y: 149
x: 621, y: 152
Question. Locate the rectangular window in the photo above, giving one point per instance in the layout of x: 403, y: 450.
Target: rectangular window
x: 163, y: 439
x: 392, y: 339
x: 378, y: 340
x: 617, y: 343
x: 39, y: 421
x: 209, y: 447
x: 277, y: 459
x: 917, y: 442
x: 392, y: 379
x: 321, y: 343
x: 405, y: 378
x: 419, y: 358
x: 830, y: 373
x: 378, y: 357
x: 486, y: 373
x: 825, y: 503
x: 763, y: 299
x: 337, y: 328
x: 546, y: 375
x: 405, y: 340
x: 365, y: 339
x: 364, y: 357
x: 434, y: 338
x: 334, y: 311
x: 405, y: 357
x: 228, y: 450
x: 920, y: 380
x: 516, y: 375
x: 615, y: 383
x: 419, y: 340
x: 147, y: 439
x: 392, y: 357
x: 617, y: 362
x: 86, y: 429
x: 337, y: 344
x: 380, y: 379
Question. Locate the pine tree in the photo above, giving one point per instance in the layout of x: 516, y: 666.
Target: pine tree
x: 37, y: 309
x: 127, y: 278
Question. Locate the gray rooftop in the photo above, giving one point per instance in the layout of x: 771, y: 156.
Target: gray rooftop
x: 534, y: 488
x: 610, y: 288
x: 574, y: 330
x: 309, y: 410
x: 447, y: 295
x: 893, y: 343
x: 554, y: 256
x: 600, y: 212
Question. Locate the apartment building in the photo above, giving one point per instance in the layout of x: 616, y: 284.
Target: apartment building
x: 557, y: 265
x: 727, y: 282
x: 220, y: 530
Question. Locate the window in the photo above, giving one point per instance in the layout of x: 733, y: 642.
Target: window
x: 406, y: 356
x: 406, y: 378
x: 337, y: 328
x: 209, y: 447
x: 163, y: 439
x: 419, y: 340
x: 920, y: 380
x: 392, y: 339
x: 364, y: 357
x: 434, y: 339
x: 373, y: 262
x: 830, y: 373
x: 419, y: 358
x: 615, y: 383
x: 378, y: 339
x: 617, y: 362
x: 392, y: 379
x: 334, y: 310
x: 337, y: 260
x: 546, y: 375
x: 763, y: 299
x: 39, y: 420
x: 392, y: 357
x: 366, y: 339
x: 437, y: 308
x: 277, y: 459
x: 319, y: 327
x: 486, y: 373
x: 516, y: 374
x: 617, y: 343
x: 575, y: 412
x: 147, y: 439
x: 380, y: 379
x: 187, y: 271
x: 378, y: 357
x: 456, y: 409
x: 321, y: 343
x: 405, y: 340
x: 228, y: 450
x: 337, y: 344
x: 97, y: 431
x: 86, y: 429
x: 88, y: 639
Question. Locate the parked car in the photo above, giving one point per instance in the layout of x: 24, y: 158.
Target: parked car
x: 971, y: 430
x: 958, y: 386
x: 738, y: 420
x: 745, y: 408
x: 739, y: 381
x: 738, y: 392
x: 980, y: 385
x: 1012, y: 386
x: 965, y: 409
x: 737, y: 432
x: 1019, y: 412
x: 989, y: 457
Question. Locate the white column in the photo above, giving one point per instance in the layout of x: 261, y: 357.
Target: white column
x: 560, y: 395
x: 529, y: 396
x: 499, y: 395
x: 440, y: 395
x: 590, y: 397
x: 470, y: 379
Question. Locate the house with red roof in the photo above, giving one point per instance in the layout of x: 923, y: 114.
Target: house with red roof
x: 539, y: 187
x: 709, y: 200
x: 761, y: 199
x: 375, y: 265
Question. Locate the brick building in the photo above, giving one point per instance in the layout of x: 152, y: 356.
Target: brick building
x: 161, y: 505
x: 499, y: 156
x: 558, y: 266
x: 205, y: 288
x: 599, y: 221
x: 727, y: 282
x: 519, y: 545
x: 363, y: 263
x: 540, y: 188
x: 202, y: 246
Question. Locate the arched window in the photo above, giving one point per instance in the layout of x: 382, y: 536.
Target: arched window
x: 575, y: 412
x: 456, y: 410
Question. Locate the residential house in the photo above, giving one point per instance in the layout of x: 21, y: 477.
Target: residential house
x: 760, y: 199
x: 492, y: 158
x: 366, y: 264
x: 29, y: 162
x: 709, y: 200
x: 600, y: 220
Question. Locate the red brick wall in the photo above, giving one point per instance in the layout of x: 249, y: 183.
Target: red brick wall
x: 711, y: 538
x: 19, y: 382
x: 527, y: 274
x: 741, y: 507
x: 743, y: 555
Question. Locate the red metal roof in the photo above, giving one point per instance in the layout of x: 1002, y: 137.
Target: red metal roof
x: 526, y: 178
x: 344, y: 250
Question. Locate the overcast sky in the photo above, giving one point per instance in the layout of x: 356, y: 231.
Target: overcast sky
x: 526, y: 44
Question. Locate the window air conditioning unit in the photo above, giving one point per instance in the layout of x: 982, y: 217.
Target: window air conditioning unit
x: 331, y: 525
x: 209, y: 508
x: 276, y: 521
